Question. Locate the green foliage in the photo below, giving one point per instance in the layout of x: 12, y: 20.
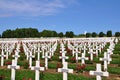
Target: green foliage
x: 101, y: 34
x: 61, y: 34
x: 69, y: 34
x: 20, y: 33
x: 109, y: 33
x: 48, y: 33
x: 81, y: 35
x: 26, y: 64
x: 88, y: 35
x: 94, y: 34
x: 117, y: 34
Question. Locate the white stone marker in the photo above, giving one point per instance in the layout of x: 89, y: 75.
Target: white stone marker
x: 2, y: 58
x: 38, y: 56
x: 30, y: 59
x: 116, y: 40
x: 98, y: 73
x: 105, y: 59
x: 84, y: 49
x: 76, y: 55
x: 37, y: 69
x: 91, y: 54
x: 46, y: 60
x: 83, y: 58
x: 63, y: 57
x: 109, y: 59
x: 96, y: 49
x: 13, y: 67
x: 7, y: 50
x: 16, y: 56
x: 65, y: 70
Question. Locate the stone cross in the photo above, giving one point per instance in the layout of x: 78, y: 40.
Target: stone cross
x: 30, y: 59
x: 84, y: 49
x: 37, y: 69
x: 96, y: 49
x: 16, y: 56
x: 65, y: 70
x: 91, y: 54
x: 13, y: 67
x: 116, y: 40
x: 109, y: 59
x: 63, y: 57
x: 2, y: 57
x: 73, y: 50
x: 98, y: 73
x: 46, y: 60
x: 105, y: 59
x: 38, y: 56
x: 7, y: 50
x: 76, y: 55
x: 83, y: 58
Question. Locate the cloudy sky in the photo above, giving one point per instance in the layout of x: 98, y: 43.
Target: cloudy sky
x: 61, y: 15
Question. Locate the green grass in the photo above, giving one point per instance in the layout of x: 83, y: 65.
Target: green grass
x: 114, y: 70
x: 20, y: 74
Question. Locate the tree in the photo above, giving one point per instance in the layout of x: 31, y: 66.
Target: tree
x: 117, y: 34
x: 109, y: 33
x: 20, y: 33
x: 69, y: 34
x: 94, y: 34
x: 81, y: 35
x: 88, y: 34
x: 0, y: 36
x: 61, y: 34
x: 7, y: 34
x: 101, y: 34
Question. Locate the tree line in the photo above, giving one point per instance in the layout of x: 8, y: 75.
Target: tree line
x: 34, y: 33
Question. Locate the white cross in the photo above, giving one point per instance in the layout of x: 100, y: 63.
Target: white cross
x: 109, y: 59
x: 91, y: 54
x: 65, y: 70
x: 76, y: 55
x: 30, y: 59
x: 37, y: 69
x: 83, y: 58
x: 13, y: 67
x: 38, y: 56
x: 98, y: 73
x: 73, y: 50
x: 63, y: 57
x: 105, y: 59
x: 2, y: 58
x: 96, y: 50
x: 84, y: 49
x: 6, y: 50
x: 16, y: 55
x: 46, y: 60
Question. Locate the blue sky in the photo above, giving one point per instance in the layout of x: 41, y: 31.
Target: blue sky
x: 61, y: 15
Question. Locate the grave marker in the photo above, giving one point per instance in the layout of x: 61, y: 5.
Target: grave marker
x: 37, y: 69
x: 65, y: 70
x: 98, y: 73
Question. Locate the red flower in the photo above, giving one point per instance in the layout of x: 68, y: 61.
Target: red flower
x: 83, y: 66
x: 73, y: 59
x: 58, y: 65
x: 8, y: 63
x: 78, y: 67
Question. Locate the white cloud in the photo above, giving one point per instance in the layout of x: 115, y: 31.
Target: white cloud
x: 33, y: 7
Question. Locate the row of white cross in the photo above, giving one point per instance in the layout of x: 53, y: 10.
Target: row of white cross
x: 50, y: 52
